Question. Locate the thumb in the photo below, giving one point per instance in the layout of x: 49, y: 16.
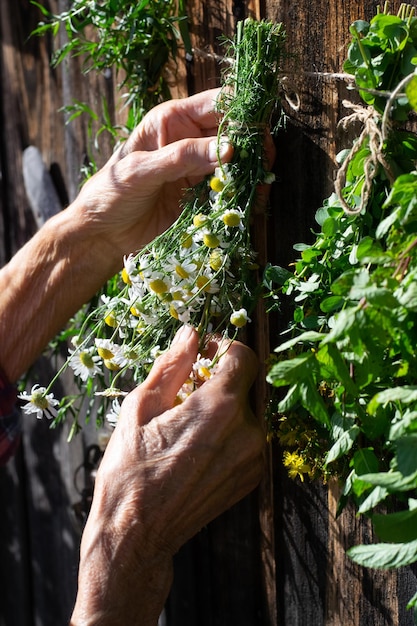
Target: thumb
x: 169, y: 372
x: 183, y: 158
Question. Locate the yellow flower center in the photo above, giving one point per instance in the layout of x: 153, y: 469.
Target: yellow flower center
x: 158, y: 286
x: 113, y: 367
x: 135, y: 311
x: 86, y: 359
x: 39, y: 400
x: 210, y: 240
x: 199, y: 220
x: 105, y: 353
x: 182, y: 273
x: 125, y: 277
x: 204, y: 373
x: 216, y: 260
x: 110, y: 320
x: 173, y: 311
x: 238, y: 319
x: 203, y: 282
x: 231, y: 219
x: 186, y: 241
x: 216, y: 184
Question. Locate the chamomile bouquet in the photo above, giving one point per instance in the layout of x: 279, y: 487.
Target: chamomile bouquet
x: 202, y: 271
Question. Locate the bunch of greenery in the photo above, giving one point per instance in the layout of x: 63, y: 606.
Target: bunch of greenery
x: 137, y: 40
x: 349, y: 368
x: 202, y: 270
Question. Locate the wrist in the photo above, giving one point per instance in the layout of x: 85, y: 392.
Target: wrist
x: 119, y: 583
x: 89, y: 244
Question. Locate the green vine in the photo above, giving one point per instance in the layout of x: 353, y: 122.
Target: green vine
x: 349, y: 368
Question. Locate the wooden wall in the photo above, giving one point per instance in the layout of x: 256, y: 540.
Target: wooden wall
x: 278, y: 557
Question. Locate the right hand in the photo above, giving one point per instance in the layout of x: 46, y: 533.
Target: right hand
x: 166, y: 473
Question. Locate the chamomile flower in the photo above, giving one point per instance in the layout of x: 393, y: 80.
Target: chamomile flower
x: 157, y: 282
x: 185, y: 391
x: 106, y: 348
x: 179, y: 311
x: 129, y: 272
x: 239, y: 318
x: 111, y: 392
x: 113, y: 415
x: 233, y: 218
x: 126, y: 355
x: 39, y: 402
x: 220, y: 179
x: 204, y: 368
x: 76, y: 340
x: 182, y: 269
x: 85, y: 363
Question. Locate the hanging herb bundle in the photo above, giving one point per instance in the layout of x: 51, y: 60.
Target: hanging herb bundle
x: 136, y: 40
x: 349, y: 368
x: 202, y: 270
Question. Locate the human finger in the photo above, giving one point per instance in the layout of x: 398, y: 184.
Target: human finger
x: 169, y: 372
x: 184, y: 158
x: 238, y: 363
x: 173, y: 120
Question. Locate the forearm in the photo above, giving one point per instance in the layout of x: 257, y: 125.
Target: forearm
x: 45, y: 283
x: 136, y: 598
x: 121, y: 579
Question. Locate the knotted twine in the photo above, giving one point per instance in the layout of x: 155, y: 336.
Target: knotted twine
x: 371, y: 132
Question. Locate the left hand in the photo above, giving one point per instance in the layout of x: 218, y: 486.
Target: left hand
x: 136, y: 195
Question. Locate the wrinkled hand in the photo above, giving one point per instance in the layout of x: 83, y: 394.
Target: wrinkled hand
x: 167, y: 472
x: 136, y: 195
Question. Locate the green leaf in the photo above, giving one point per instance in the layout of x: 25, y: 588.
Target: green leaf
x: 391, y: 29
x: 312, y: 401
x: 396, y: 527
x: 368, y: 249
x: 404, y: 190
x: 405, y: 394
x: 359, y: 27
x: 310, y: 254
x: 407, y: 454
x: 412, y: 602
x: 307, y: 337
x: 290, y: 400
x: 365, y: 462
x: 344, y: 321
x: 377, y: 495
x: 334, y: 361
x: 411, y: 92
x: 275, y: 274
x: 384, y: 555
x: 377, y: 296
x: 43, y: 10
x: 331, y: 303
x: 291, y: 371
x: 343, y: 444
x: 393, y: 481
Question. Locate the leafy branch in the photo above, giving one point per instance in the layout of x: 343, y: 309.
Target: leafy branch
x: 349, y: 369
x: 136, y: 40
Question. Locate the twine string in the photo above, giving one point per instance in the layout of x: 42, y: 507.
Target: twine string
x: 372, y: 132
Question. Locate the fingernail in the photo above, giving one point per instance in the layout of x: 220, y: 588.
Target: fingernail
x: 182, y: 335
x: 218, y: 149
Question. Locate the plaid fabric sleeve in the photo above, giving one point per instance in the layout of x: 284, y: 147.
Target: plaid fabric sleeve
x: 10, y: 420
